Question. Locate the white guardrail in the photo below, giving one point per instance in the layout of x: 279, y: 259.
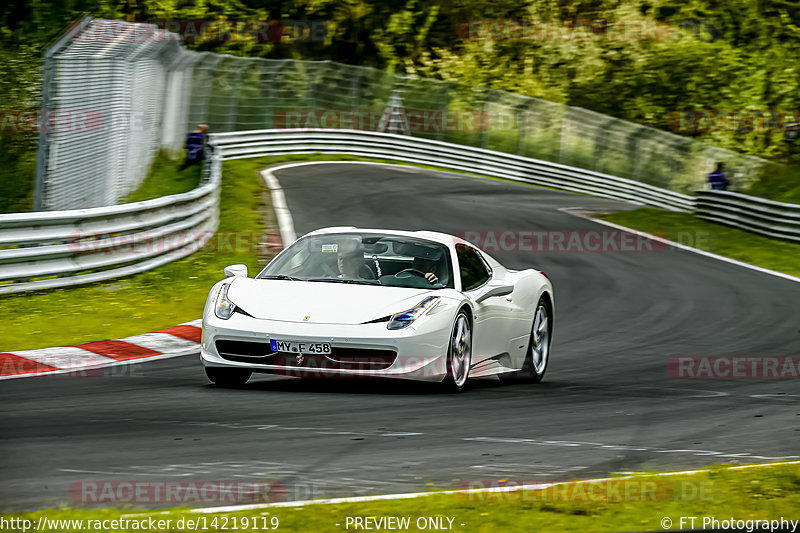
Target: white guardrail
x: 236, y: 145
x: 774, y: 219
x: 44, y: 250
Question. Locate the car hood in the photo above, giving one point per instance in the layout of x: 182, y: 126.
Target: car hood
x: 321, y: 302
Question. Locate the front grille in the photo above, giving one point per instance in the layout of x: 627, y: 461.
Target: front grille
x: 242, y: 350
x: 341, y: 358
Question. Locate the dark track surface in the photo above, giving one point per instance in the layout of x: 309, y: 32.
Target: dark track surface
x: 607, y: 403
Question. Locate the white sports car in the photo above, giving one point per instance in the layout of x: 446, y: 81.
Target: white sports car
x: 376, y: 303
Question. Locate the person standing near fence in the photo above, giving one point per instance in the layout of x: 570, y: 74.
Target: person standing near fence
x: 195, y: 145
x: 717, y: 178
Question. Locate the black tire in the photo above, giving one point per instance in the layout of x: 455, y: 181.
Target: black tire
x: 460, y: 343
x: 533, y: 370
x: 228, y: 377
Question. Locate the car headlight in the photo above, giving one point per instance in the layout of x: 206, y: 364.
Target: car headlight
x: 402, y: 320
x: 223, y: 307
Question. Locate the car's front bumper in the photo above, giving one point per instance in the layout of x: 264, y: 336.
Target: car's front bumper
x: 417, y: 353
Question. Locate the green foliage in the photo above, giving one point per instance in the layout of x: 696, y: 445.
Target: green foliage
x: 687, y: 55
x: 781, y: 186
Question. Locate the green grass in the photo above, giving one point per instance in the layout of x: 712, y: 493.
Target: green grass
x: 730, y: 242
x: 166, y: 178
x: 764, y: 493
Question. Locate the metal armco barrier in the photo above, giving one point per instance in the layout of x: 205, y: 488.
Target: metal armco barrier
x: 64, y: 248
x: 243, y: 144
x: 774, y: 219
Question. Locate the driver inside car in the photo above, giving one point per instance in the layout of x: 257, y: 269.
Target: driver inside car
x: 351, y: 265
x: 426, y: 266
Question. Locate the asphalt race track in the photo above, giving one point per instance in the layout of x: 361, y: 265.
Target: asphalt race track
x: 607, y: 403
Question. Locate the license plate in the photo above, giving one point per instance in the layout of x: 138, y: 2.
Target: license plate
x: 305, y: 348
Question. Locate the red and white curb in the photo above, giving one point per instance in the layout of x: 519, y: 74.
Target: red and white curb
x: 183, y: 339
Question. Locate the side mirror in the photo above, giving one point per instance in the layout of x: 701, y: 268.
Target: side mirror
x: 496, y: 290
x: 239, y: 271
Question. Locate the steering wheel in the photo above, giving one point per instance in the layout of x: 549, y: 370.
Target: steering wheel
x: 414, y: 271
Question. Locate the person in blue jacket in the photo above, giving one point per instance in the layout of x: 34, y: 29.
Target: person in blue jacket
x: 717, y: 178
x: 195, y: 145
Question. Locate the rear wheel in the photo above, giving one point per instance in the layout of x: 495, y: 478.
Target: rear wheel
x: 539, y: 346
x: 538, y: 354
x: 228, y: 377
x: 459, y: 353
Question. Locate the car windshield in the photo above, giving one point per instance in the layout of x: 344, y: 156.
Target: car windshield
x: 364, y: 258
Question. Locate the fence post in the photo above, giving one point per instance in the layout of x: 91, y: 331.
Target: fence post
x: 269, y: 108
x: 203, y: 68
x: 489, y: 97
x: 522, y: 126
x: 562, y: 144
x: 444, y: 106
x: 234, y: 100
x: 394, y: 116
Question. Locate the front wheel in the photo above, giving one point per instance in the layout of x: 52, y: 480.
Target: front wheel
x: 228, y: 377
x: 459, y: 353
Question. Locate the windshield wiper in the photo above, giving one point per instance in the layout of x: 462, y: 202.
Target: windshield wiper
x: 351, y: 281
x: 281, y: 276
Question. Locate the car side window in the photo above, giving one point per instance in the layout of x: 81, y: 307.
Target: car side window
x: 474, y: 271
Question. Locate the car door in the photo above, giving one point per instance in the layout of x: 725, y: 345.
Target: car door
x: 490, y: 318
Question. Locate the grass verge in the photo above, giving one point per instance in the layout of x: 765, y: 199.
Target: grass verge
x: 686, y: 228
x: 166, y: 177
x: 641, y: 503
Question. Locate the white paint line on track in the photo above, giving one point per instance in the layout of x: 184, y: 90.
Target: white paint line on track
x: 412, y: 495
x: 578, y: 212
